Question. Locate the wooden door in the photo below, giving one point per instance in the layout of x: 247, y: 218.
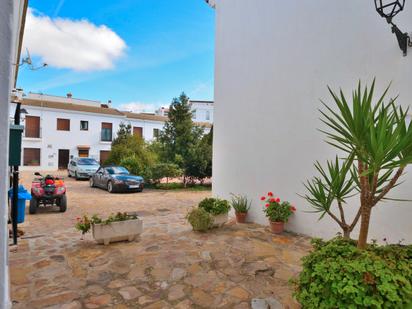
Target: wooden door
x: 64, y: 157
x: 138, y: 131
x: 104, y: 155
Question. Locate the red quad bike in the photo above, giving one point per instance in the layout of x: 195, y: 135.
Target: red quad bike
x: 47, y: 191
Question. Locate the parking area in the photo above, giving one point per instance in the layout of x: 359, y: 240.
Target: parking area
x: 168, y: 267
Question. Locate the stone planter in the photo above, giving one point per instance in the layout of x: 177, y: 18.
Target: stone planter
x: 220, y: 220
x: 241, y: 217
x: 277, y: 227
x: 117, y: 231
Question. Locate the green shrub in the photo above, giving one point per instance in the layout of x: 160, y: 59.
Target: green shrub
x: 339, y: 275
x: 215, y: 206
x: 240, y: 203
x: 200, y: 219
x: 165, y: 170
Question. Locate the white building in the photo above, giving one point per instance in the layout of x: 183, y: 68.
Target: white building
x: 202, y: 111
x: 12, y: 14
x: 274, y: 60
x: 57, y: 128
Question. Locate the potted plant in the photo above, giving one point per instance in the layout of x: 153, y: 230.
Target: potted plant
x: 200, y: 219
x: 277, y: 212
x: 241, y: 205
x: 218, y: 208
x: 117, y: 227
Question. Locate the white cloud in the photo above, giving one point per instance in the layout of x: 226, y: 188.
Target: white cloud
x: 73, y: 44
x: 138, y: 107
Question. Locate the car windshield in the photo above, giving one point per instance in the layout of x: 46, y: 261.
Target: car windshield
x: 117, y: 170
x: 87, y: 161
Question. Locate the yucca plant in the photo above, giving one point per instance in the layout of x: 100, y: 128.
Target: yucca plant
x: 376, y: 142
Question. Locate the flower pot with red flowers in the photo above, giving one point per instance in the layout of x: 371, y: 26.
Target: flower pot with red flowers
x: 277, y: 212
x: 241, y: 205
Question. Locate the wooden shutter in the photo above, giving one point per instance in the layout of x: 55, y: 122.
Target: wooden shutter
x: 32, y: 126
x: 138, y: 131
x: 31, y: 156
x: 83, y: 153
x: 107, y: 125
x: 63, y: 124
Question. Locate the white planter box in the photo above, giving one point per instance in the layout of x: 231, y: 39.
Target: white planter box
x: 117, y: 231
x: 220, y: 220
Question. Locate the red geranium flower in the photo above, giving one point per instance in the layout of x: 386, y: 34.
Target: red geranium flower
x: 267, y: 205
x: 277, y: 200
x: 293, y: 208
x: 263, y: 198
x: 270, y: 194
x: 272, y: 200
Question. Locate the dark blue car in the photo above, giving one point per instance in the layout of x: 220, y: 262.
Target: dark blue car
x: 116, y: 179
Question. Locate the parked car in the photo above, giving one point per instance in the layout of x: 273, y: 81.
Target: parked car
x: 82, y: 168
x: 116, y: 179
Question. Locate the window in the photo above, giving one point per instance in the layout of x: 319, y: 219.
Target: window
x: 138, y: 131
x: 156, y: 133
x: 194, y: 114
x: 63, y: 124
x: 83, y: 153
x: 31, y: 156
x: 32, y: 127
x: 106, y: 132
x: 84, y: 125
x: 207, y: 115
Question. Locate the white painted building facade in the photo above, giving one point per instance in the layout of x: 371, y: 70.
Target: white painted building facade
x: 274, y: 60
x: 11, y: 20
x: 57, y: 128
x: 202, y: 111
x: 67, y: 127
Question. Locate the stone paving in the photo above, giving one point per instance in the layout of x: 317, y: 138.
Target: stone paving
x: 170, y: 266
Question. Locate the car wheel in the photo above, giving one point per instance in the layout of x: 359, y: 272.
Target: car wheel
x: 33, y: 206
x: 91, y: 182
x: 76, y: 176
x: 110, y: 187
x: 63, y: 203
x: 68, y: 173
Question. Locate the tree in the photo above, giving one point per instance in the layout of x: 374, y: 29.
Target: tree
x: 376, y: 140
x: 125, y: 130
x: 179, y: 134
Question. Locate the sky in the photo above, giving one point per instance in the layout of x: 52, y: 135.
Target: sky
x: 138, y: 53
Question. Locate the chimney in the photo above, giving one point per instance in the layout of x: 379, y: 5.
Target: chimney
x: 69, y: 95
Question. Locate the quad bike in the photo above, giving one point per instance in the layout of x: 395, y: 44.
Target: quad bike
x: 47, y: 191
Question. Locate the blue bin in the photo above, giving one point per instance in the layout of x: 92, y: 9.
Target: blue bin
x: 23, y: 196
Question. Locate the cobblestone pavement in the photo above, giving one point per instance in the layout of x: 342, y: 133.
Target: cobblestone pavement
x: 168, y: 267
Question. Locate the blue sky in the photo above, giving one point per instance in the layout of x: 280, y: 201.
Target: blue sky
x: 136, y: 52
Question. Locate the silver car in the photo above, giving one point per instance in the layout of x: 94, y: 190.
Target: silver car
x: 82, y: 168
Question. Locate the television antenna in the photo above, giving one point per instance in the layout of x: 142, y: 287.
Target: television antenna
x: 27, y: 60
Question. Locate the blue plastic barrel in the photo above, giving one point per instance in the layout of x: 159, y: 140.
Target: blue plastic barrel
x: 22, y: 196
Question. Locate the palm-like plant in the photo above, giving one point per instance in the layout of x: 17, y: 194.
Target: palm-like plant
x: 377, y: 141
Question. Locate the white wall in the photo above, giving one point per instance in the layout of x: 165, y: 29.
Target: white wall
x: 201, y: 111
x: 51, y: 140
x: 273, y: 62
x: 10, y: 15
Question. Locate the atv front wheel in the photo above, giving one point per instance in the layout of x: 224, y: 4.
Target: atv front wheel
x: 63, y: 203
x: 33, y: 206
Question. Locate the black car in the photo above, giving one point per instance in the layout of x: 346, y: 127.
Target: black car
x: 116, y: 179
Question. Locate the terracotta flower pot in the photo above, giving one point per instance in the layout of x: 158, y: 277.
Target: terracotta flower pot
x: 277, y: 227
x: 241, y: 217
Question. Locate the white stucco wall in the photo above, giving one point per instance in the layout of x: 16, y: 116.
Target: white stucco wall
x: 202, y: 112
x: 51, y: 140
x: 273, y: 62
x: 10, y: 18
